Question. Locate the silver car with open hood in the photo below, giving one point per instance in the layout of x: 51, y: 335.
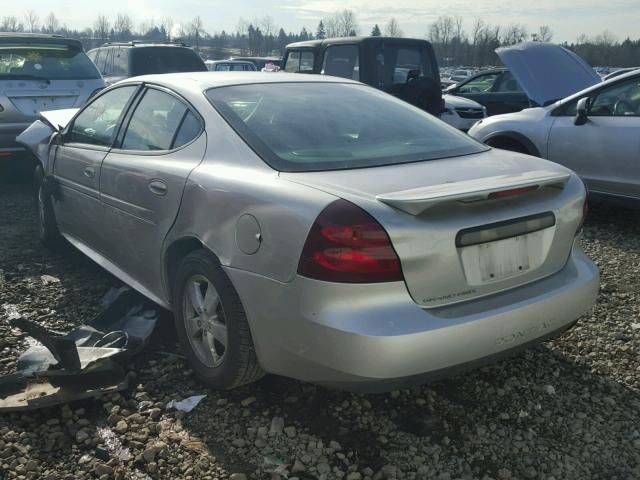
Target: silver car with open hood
x: 314, y: 227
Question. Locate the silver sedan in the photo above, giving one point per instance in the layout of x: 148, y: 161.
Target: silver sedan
x: 317, y: 228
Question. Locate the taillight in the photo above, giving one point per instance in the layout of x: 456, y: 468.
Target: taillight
x: 348, y: 245
x: 585, y: 211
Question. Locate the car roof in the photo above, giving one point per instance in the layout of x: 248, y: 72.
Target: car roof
x: 197, y: 82
x: 141, y: 43
x: 352, y: 40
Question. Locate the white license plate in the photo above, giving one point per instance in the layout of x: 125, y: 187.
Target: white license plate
x: 510, y: 257
x: 503, y: 258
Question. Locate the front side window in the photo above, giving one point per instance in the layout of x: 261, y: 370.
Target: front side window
x: 154, y: 123
x: 330, y: 126
x: 619, y: 100
x: 48, y: 62
x: 299, y: 61
x: 341, y: 61
x: 507, y: 84
x: 480, y: 84
x: 96, y: 124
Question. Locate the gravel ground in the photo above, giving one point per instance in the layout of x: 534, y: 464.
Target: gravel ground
x: 568, y: 409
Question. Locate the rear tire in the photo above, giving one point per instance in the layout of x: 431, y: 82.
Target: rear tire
x: 212, y: 325
x: 48, y: 233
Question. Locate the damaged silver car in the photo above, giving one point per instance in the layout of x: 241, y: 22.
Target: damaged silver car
x: 314, y: 227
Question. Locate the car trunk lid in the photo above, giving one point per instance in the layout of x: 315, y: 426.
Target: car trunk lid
x: 547, y: 72
x: 469, y: 226
x: 27, y: 98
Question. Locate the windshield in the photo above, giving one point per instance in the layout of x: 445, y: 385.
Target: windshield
x: 152, y: 60
x: 298, y: 127
x: 45, y: 62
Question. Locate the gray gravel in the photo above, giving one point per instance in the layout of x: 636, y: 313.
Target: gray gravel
x: 568, y: 409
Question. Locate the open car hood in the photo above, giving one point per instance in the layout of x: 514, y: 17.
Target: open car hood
x: 547, y: 72
x: 38, y: 135
x: 58, y: 119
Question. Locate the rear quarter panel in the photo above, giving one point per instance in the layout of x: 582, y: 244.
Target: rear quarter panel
x: 231, y: 182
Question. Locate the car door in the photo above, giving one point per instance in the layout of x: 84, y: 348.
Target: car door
x: 76, y: 167
x: 605, y: 151
x: 479, y: 89
x: 498, y: 91
x: 142, y: 180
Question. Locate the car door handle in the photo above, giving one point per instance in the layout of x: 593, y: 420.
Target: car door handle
x: 89, y: 172
x: 158, y: 187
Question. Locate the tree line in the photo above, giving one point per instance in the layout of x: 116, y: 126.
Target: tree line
x: 454, y: 44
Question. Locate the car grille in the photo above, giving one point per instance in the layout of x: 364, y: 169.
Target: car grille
x: 470, y: 112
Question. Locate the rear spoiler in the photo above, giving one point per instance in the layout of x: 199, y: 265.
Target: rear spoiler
x: 417, y: 200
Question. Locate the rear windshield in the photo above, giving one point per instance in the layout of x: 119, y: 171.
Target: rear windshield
x: 48, y: 62
x: 298, y: 127
x: 145, y: 61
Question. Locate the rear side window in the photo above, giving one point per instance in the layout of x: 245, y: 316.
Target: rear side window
x: 341, y: 61
x: 312, y: 126
x: 393, y: 64
x: 154, y: 123
x: 189, y: 130
x: 120, y: 62
x: 96, y: 124
x: 150, y: 60
x: 299, y: 61
x: 50, y: 62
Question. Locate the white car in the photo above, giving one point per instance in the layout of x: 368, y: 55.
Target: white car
x: 595, y: 132
x: 462, y: 112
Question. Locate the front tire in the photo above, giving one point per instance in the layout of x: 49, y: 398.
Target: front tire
x: 47, y: 228
x: 212, y: 325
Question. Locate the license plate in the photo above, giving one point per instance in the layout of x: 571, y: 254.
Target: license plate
x: 504, y: 258
x: 493, y: 261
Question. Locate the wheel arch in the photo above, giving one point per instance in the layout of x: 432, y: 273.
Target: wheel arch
x: 509, y: 135
x: 173, y: 255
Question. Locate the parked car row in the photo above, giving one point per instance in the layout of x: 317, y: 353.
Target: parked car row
x: 285, y: 219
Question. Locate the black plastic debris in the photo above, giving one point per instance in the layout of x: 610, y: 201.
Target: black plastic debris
x: 83, y: 363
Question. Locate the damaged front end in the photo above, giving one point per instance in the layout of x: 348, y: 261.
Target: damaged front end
x: 38, y: 136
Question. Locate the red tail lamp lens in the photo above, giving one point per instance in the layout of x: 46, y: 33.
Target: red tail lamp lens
x: 348, y: 245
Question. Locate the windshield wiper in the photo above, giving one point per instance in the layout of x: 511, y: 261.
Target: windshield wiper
x: 24, y: 76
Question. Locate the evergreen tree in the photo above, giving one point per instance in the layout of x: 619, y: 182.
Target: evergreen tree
x: 376, y: 31
x: 320, y: 31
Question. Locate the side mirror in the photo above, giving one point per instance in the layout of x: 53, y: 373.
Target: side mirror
x: 581, y: 112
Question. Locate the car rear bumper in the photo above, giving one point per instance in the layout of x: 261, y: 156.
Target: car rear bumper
x: 376, y: 338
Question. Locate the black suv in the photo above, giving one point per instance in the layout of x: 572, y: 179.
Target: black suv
x: 117, y: 61
x: 404, y: 67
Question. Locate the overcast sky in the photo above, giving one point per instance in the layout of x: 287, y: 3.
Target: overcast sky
x: 567, y: 18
